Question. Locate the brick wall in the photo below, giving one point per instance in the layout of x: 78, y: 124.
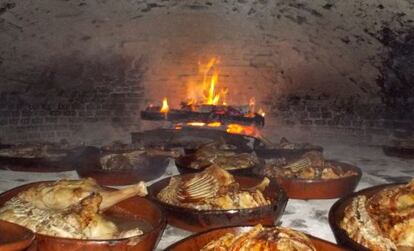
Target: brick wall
x: 91, y: 104
x: 344, y: 117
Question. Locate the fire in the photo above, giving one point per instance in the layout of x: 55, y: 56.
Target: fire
x: 207, y: 92
x: 207, y: 99
x: 223, y: 93
x: 214, y: 124
x: 196, y: 123
x: 245, y: 130
x: 252, y: 104
x: 261, y: 112
x: 248, y: 130
x: 199, y: 123
x: 210, y: 97
x: 165, y: 108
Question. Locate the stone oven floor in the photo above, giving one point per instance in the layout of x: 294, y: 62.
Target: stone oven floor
x: 309, y: 216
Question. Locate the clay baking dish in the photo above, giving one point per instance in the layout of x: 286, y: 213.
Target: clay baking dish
x: 402, y: 148
x: 183, y: 166
x: 137, y: 208
x: 320, y: 188
x: 36, y: 164
x: 400, y: 152
x: 14, y: 237
x: 200, y: 220
x: 197, y: 241
x: 336, y: 214
x: 88, y: 165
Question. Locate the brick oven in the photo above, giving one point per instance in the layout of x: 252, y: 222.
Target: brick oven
x: 222, y: 112
x: 83, y: 70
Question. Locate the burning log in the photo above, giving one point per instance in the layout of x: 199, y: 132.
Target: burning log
x: 207, y: 114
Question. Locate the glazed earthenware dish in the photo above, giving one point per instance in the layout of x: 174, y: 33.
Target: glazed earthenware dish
x: 319, y: 188
x: 198, y: 241
x: 400, y: 152
x: 402, y: 148
x: 140, y: 210
x: 14, y: 237
x: 36, y: 163
x: 337, y: 213
x: 200, y: 220
x: 89, y: 165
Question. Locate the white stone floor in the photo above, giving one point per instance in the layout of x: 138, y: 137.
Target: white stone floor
x: 309, y: 216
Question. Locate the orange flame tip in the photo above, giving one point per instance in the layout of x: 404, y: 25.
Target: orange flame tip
x: 261, y: 112
x: 165, y: 108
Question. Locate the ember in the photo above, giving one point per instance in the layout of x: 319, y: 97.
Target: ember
x: 245, y: 130
x: 248, y: 130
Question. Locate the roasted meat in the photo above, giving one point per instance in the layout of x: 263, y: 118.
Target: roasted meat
x: 262, y: 239
x: 70, y: 209
x: 214, y: 188
x: 222, y: 155
x: 384, y: 221
x: 124, y: 161
x: 311, y: 165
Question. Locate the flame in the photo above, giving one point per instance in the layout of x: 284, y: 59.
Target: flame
x: 223, y: 94
x: 207, y: 92
x: 199, y: 123
x: 261, y: 112
x: 249, y: 130
x: 210, y: 97
x: 214, y: 124
x: 165, y: 108
x: 196, y: 123
x: 245, y: 130
x: 252, y: 106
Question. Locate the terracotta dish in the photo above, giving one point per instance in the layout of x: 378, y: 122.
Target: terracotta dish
x: 136, y: 208
x: 88, y: 165
x: 199, y: 220
x: 14, y: 237
x: 320, y: 188
x: 402, y: 148
x: 35, y: 164
x: 336, y: 214
x: 400, y: 152
x: 197, y: 241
